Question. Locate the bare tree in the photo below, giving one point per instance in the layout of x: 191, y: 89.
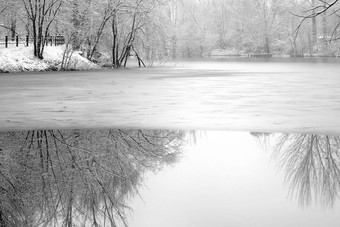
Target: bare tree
x: 41, y: 15
x: 136, y: 17
x: 319, y: 8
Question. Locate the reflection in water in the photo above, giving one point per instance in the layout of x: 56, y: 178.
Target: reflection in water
x: 84, y: 177
x: 68, y: 178
x: 263, y: 139
x: 311, y: 164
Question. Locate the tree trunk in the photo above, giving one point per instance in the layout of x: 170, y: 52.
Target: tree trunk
x: 13, y: 28
x: 174, y: 47
x: 293, y: 38
x: 41, y: 43
x: 115, y: 61
x: 128, y: 43
x: 266, y: 29
x: 267, y: 47
x: 76, y: 23
x: 148, y: 44
x: 99, y: 34
x: 314, y: 29
x: 238, y: 39
x: 35, y: 47
x: 310, y: 44
x: 324, y: 30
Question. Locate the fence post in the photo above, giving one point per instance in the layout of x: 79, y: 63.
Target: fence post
x: 17, y: 40
x: 27, y: 40
x: 6, y: 41
x: 55, y: 40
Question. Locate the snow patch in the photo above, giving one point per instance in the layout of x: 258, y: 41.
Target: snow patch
x: 20, y: 59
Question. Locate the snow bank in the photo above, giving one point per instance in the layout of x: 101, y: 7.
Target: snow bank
x: 21, y: 59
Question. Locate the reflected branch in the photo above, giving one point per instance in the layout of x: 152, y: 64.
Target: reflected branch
x: 74, y: 177
x: 311, y: 163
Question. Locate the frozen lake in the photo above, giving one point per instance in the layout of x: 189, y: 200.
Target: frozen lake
x: 260, y: 95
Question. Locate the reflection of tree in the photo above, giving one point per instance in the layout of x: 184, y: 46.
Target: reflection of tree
x: 67, y: 178
x: 262, y: 138
x: 312, y: 165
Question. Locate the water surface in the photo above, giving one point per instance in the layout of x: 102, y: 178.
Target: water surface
x: 260, y: 95
x: 109, y: 177
x: 228, y: 179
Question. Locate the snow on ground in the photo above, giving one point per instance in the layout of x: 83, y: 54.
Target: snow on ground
x: 21, y: 59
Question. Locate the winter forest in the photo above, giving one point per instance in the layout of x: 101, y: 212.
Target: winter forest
x: 113, y: 30
x: 91, y: 139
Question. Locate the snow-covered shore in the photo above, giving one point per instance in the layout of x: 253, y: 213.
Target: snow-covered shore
x: 21, y: 59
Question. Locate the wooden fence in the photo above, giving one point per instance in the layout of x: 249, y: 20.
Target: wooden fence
x: 27, y: 41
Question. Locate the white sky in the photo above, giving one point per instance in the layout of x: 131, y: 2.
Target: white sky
x: 225, y: 180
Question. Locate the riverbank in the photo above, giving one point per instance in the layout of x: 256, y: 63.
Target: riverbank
x: 21, y: 59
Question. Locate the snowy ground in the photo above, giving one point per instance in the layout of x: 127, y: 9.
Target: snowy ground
x: 21, y: 59
x: 261, y: 96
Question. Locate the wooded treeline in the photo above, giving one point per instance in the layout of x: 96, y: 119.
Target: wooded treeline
x: 163, y: 29
x: 78, y: 178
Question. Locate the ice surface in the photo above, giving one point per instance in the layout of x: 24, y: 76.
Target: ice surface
x: 252, y: 96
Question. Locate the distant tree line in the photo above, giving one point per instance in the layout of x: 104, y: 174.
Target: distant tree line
x: 163, y: 29
x: 293, y: 27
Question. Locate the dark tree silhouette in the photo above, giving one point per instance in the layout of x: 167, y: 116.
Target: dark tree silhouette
x: 320, y: 8
x: 73, y: 177
x: 41, y: 15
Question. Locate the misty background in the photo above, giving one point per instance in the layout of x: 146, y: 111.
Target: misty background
x: 157, y: 30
